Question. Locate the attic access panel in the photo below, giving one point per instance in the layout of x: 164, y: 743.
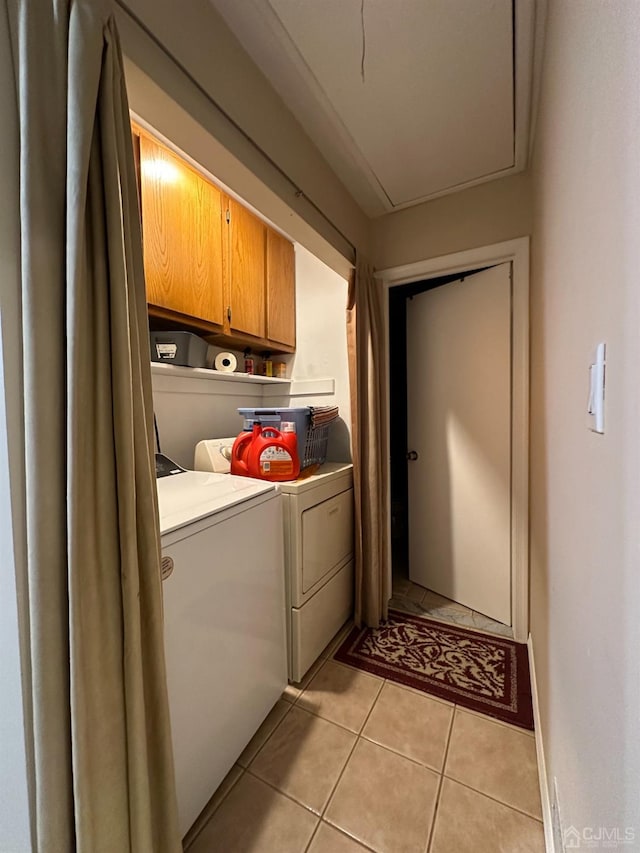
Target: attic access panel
x: 435, y: 106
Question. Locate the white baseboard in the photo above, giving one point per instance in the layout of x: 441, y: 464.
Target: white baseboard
x: 542, y: 770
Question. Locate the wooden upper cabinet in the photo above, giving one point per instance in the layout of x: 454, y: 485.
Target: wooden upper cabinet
x: 211, y: 266
x: 281, y: 290
x: 246, y: 272
x: 182, y: 235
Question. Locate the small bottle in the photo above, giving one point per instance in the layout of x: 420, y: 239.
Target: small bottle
x: 267, y: 364
x: 249, y: 362
x: 288, y: 430
x: 280, y: 369
x: 290, y: 438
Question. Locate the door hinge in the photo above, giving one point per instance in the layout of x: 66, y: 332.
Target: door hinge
x: 227, y: 216
x: 229, y: 313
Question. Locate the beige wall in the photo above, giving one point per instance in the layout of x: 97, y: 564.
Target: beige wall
x: 585, y: 500
x: 321, y: 303
x: 203, y: 45
x: 479, y: 216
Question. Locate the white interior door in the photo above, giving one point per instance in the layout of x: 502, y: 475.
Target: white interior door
x: 459, y: 414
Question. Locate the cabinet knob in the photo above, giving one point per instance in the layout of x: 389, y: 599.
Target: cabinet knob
x: 412, y: 455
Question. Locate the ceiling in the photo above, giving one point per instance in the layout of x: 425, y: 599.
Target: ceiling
x: 406, y: 99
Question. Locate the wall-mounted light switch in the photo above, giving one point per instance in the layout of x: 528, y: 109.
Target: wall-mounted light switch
x: 596, y: 391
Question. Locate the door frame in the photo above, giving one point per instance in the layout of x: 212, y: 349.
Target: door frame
x: 517, y: 253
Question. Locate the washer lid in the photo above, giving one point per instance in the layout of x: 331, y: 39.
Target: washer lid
x: 192, y: 495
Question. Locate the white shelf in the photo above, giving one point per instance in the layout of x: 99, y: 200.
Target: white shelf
x: 204, y: 373
x: 305, y: 388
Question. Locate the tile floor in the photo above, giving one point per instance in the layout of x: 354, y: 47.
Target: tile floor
x: 347, y: 762
x: 412, y: 598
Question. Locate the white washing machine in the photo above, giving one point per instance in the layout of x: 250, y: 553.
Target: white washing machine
x: 319, y: 552
x: 225, y: 635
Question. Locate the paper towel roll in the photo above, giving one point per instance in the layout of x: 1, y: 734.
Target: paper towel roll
x: 226, y: 362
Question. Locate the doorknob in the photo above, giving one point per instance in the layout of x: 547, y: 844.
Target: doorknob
x: 412, y: 455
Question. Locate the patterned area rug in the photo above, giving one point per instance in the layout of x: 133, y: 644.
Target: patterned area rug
x: 484, y: 673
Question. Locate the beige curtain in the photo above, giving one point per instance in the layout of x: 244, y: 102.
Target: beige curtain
x: 102, y: 767
x: 367, y: 373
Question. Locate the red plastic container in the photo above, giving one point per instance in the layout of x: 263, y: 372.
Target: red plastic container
x: 240, y: 451
x: 266, y: 453
x: 273, y: 455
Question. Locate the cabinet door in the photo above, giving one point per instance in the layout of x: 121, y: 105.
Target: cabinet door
x: 247, y: 241
x: 281, y: 290
x: 182, y: 235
